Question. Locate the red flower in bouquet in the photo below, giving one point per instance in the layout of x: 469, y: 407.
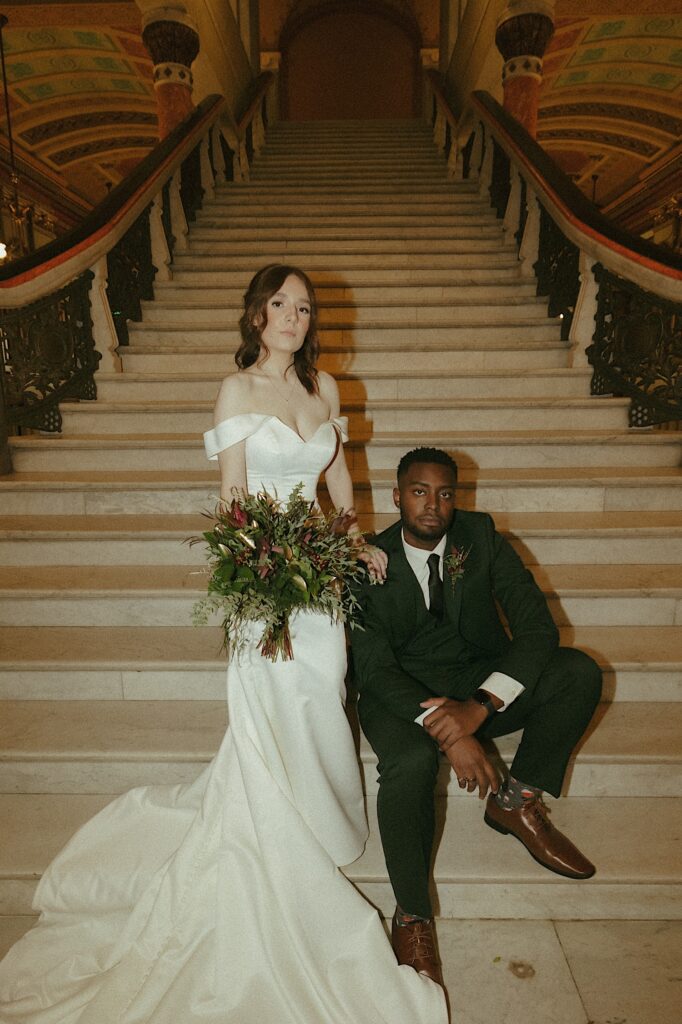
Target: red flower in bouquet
x: 269, y: 559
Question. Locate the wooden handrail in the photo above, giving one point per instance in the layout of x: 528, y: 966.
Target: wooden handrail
x: 111, y: 218
x: 571, y: 205
x: 580, y: 219
x: 434, y: 81
x: 263, y: 83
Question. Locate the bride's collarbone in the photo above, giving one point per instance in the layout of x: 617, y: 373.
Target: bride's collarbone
x: 302, y: 413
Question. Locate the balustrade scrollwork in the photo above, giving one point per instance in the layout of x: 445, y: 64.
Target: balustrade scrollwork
x: 49, y: 347
x: 500, y: 186
x: 48, y: 355
x: 191, y: 190
x: 166, y: 217
x: 522, y: 214
x: 131, y: 275
x: 557, y: 273
x: 637, y: 349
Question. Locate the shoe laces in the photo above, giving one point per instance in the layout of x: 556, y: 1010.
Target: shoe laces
x: 541, y: 813
x: 420, y: 941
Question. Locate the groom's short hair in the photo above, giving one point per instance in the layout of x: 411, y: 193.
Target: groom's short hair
x: 426, y: 455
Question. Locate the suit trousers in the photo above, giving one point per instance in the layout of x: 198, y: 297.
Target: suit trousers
x: 554, y: 714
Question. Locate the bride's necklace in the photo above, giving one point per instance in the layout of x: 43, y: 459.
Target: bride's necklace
x: 284, y: 397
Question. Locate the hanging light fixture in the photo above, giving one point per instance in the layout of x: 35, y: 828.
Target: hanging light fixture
x: 16, y: 246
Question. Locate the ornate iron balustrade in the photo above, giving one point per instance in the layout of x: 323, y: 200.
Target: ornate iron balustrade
x: 590, y: 270
x: 557, y: 271
x: 48, y: 355
x: 637, y: 350
x: 131, y: 273
x: 98, y: 275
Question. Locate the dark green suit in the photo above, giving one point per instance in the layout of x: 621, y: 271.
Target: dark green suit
x: 404, y: 656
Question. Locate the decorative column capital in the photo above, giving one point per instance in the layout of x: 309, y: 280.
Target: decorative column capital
x: 524, y: 29
x: 172, y: 39
x: 523, y: 32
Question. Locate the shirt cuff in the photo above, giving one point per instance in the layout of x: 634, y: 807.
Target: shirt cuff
x: 504, y: 687
x: 420, y: 718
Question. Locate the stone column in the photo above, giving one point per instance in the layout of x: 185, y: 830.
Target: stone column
x: 523, y: 31
x: 172, y: 39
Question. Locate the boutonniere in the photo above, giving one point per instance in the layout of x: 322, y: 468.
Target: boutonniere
x: 454, y: 564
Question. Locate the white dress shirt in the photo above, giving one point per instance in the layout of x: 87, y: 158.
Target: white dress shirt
x: 499, y: 684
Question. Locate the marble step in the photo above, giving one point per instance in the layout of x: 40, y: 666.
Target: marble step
x: 202, y: 272
x: 384, y: 177
x: 372, y: 334
x: 491, y: 450
x: 346, y: 210
x: 363, y: 192
x: 336, y: 301
x: 473, y: 232
x: 83, y: 418
x: 478, y: 873
x: 578, y: 595
x: 106, y: 492
x: 376, y: 243
x: 403, y: 158
x: 564, y: 382
x: 336, y: 262
x: 459, y: 193
x: 640, y: 663
x: 171, y: 353
x: 507, y: 310
x: 417, y: 149
x: 361, y: 167
x: 110, y: 746
x: 541, y: 538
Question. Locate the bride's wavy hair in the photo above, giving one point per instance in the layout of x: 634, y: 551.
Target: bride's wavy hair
x: 263, y: 285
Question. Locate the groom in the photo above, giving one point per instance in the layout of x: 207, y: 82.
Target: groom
x: 436, y: 671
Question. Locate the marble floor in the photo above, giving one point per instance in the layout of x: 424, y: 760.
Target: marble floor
x: 548, y: 972
x: 563, y: 972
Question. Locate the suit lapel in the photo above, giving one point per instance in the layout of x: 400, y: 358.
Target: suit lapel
x: 409, y: 594
x: 453, y: 595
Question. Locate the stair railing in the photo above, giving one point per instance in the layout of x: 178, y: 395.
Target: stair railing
x: 619, y: 297
x: 64, y: 309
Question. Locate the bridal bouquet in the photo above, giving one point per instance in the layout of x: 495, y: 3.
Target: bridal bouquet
x: 267, y: 559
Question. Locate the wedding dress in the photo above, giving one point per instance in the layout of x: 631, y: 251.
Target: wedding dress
x: 221, y: 901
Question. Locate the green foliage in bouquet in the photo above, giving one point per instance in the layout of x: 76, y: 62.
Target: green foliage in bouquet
x: 268, y: 559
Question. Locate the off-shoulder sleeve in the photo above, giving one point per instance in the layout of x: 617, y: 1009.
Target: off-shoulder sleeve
x: 341, y: 424
x: 232, y: 431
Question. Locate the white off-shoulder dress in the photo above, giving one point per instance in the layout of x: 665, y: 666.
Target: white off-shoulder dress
x: 222, y: 902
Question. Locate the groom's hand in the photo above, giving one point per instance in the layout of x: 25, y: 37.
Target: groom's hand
x: 453, y: 719
x: 472, y: 767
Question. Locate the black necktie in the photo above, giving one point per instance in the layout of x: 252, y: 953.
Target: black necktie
x: 435, y: 587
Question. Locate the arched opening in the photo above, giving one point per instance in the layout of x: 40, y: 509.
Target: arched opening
x: 349, y: 61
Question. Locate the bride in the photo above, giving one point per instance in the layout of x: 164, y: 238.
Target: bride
x: 221, y: 902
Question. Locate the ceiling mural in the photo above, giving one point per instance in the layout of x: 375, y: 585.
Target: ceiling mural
x: 82, y: 97
x: 84, y: 112
x: 611, y: 102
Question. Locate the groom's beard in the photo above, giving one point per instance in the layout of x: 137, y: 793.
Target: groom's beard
x: 426, y: 531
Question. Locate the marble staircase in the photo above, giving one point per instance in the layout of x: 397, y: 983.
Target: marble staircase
x: 435, y: 338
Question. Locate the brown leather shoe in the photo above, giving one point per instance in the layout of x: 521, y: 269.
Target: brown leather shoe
x: 545, y: 843
x: 415, y: 944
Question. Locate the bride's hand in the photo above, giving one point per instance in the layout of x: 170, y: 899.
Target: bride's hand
x: 376, y: 561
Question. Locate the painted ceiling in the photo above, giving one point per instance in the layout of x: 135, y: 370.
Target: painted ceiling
x: 82, y: 99
x: 611, y: 102
x: 83, y: 106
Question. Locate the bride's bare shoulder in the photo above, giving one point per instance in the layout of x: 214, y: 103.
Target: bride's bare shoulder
x: 235, y: 396
x: 328, y: 391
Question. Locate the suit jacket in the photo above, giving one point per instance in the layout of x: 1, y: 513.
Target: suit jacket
x: 404, y: 656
